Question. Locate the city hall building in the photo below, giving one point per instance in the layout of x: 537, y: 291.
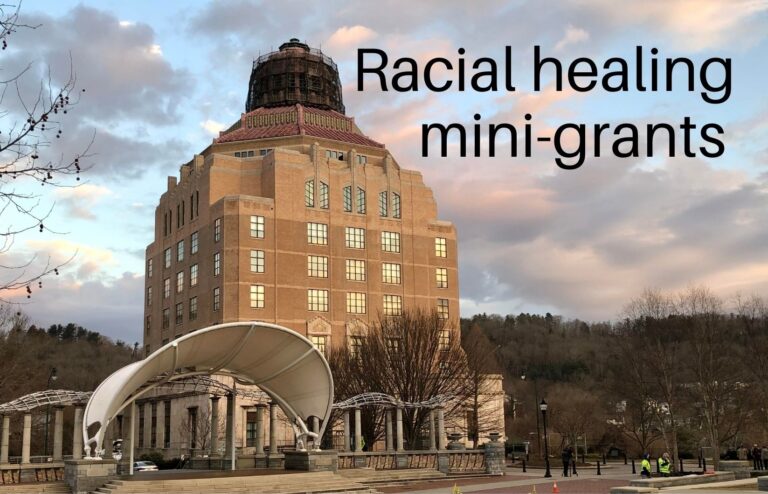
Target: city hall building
x: 291, y: 216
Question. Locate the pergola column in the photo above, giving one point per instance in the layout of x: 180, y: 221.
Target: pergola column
x: 440, y: 429
x: 358, y: 429
x: 345, y: 447
x: 273, y: 428
x: 260, y: 429
x: 432, y: 442
x: 131, y: 435
x: 214, y: 425
x: 26, y: 437
x: 4, y: 439
x: 399, y: 428
x: 77, y: 434
x: 58, y: 432
x: 388, y: 418
x: 231, y: 451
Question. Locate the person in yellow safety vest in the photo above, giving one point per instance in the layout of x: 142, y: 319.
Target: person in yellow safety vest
x: 645, y: 466
x: 664, y: 464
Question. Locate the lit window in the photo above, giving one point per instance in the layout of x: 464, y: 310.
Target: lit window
x: 193, y: 275
x: 348, y: 198
x: 390, y: 241
x: 216, y: 298
x: 383, y: 204
x: 441, y: 276
x: 257, y: 296
x: 442, y: 308
x: 395, y: 205
x: 149, y: 296
x: 355, y: 269
x: 393, y: 305
x: 166, y: 318
x: 319, y: 342
x: 354, y: 238
x: 166, y: 288
x: 360, y: 200
x: 355, y: 346
x: 193, y: 308
x: 390, y: 273
x: 217, y: 264
x: 168, y: 257
x: 361, y: 159
x: 445, y: 339
x: 217, y: 230
x: 194, y: 243
x: 324, y: 195
x: 393, y: 344
x: 309, y: 193
x: 355, y: 303
x: 149, y: 268
x: 317, y: 300
x: 440, y: 250
x: 180, y: 251
x: 179, y: 281
x: 317, y: 233
x: 179, y: 313
x: 257, y: 261
x: 257, y: 226
x: 317, y: 266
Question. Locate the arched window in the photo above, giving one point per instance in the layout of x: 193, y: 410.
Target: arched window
x: 309, y: 193
x: 383, y: 206
x: 361, y: 200
x: 323, y: 195
x: 348, y: 198
x: 395, y: 205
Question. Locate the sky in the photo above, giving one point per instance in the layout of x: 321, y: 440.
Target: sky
x: 163, y: 78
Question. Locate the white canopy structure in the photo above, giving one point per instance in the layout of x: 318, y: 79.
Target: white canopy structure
x: 283, y: 363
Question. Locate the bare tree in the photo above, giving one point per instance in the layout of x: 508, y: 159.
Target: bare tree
x: 481, y: 362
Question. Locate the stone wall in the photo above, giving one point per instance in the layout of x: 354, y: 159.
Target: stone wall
x: 84, y: 476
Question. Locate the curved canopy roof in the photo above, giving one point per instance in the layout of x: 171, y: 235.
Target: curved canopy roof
x: 55, y: 397
x: 385, y: 400
x: 283, y: 363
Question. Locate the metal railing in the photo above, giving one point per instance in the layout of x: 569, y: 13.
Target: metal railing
x: 312, y: 51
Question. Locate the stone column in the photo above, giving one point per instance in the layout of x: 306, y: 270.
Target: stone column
x: 273, y: 428
x: 26, y: 438
x: 214, y: 425
x: 388, y: 418
x: 345, y: 447
x: 160, y: 431
x: 358, y: 429
x: 399, y: 429
x: 432, y: 442
x: 230, y: 429
x: 440, y: 429
x: 147, y: 408
x: 259, y: 429
x: 58, y: 432
x: 77, y: 435
x: 4, y: 439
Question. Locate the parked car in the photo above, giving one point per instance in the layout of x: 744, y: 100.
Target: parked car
x: 144, y: 466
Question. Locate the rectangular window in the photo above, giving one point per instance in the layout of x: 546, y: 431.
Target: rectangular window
x: 140, y: 411
x: 383, y: 204
x: 168, y: 258
x: 216, y: 298
x: 334, y: 155
x: 361, y: 200
x: 192, y: 422
x: 442, y: 308
x: 354, y: 238
x: 166, y: 318
x: 167, y: 425
x: 317, y: 233
x: 148, y: 324
x: 390, y: 273
x: 217, y: 264
x: 149, y: 296
x: 317, y: 266
x: 355, y: 346
x: 395, y: 205
x: 257, y: 261
x: 193, y: 308
x: 194, y: 243
x: 348, y: 198
x: 355, y: 303
x: 445, y: 339
x: 180, y: 282
x: 323, y: 195
x: 193, y: 275
x: 257, y: 226
x: 355, y: 269
x: 179, y: 313
x: 153, y: 425
x: 265, y: 151
x: 317, y: 300
x: 166, y: 288
x: 217, y: 230
x: 390, y: 241
x: 393, y: 305
x: 441, y: 276
x: 320, y: 342
x: 362, y: 159
x: 440, y: 250
x: 149, y: 268
x: 257, y: 296
x: 250, y: 429
x: 309, y: 193
x: 180, y: 251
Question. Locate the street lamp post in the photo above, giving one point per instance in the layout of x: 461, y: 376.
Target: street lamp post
x: 536, y: 399
x: 543, y: 408
x: 51, y: 377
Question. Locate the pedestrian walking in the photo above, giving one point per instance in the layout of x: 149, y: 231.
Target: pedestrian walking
x: 566, y: 456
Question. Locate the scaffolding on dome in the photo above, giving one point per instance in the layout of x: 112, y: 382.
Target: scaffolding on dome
x: 382, y: 399
x: 50, y: 397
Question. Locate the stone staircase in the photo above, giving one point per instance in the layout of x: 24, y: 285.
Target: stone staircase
x: 386, y: 478
x: 297, y: 483
x: 36, y: 487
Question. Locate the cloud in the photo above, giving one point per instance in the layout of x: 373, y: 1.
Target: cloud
x: 349, y: 38
x: 213, y: 127
x: 573, y: 35
x: 79, y: 202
